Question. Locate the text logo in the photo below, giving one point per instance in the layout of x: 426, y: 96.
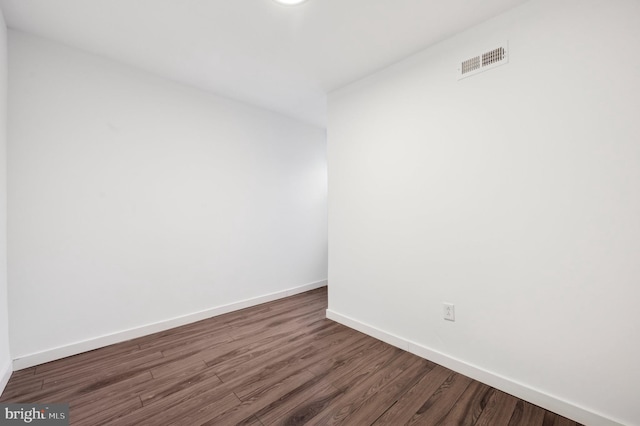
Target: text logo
x: 34, y: 414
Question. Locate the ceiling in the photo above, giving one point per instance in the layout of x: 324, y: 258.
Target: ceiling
x: 284, y: 58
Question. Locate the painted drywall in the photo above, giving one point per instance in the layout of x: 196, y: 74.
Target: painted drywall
x: 134, y: 200
x: 5, y: 357
x: 513, y: 194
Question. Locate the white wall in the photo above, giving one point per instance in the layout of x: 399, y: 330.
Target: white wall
x: 134, y: 200
x: 5, y: 357
x: 514, y: 194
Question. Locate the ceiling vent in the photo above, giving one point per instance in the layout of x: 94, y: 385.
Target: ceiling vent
x: 484, y: 61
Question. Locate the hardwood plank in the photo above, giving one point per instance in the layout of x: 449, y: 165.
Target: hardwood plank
x: 163, y: 388
x: 127, y: 388
x: 309, y: 409
x: 549, y: 418
x: 257, y: 401
x: 174, y: 403
x: 256, y: 385
x: 405, y: 408
x: 563, y: 421
x: 303, y: 356
x: 205, y: 329
x: 285, y: 318
x: 203, y: 410
x: 281, y: 411
x: 359, y: 361
x: 380, y: 401
x: 25, y: 372
x: 526, y: 414
x: 469, y: 406
x: 192, y: 363
x: 17, y: 390
x: 111, y: 367
x: 109, y: 413
x: 361, y: 371
x: 499, y: 409
x: 252, y: 421
x: 348, y: 359
x: 245, y: 350
x: 265, y: 315
x: 202, y: 342
x: 441, y: 402
x: 339, y: 409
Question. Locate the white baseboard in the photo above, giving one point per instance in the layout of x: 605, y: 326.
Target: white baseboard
x: 121, y: 336
x: 5, y: 375
x: 505, y: 384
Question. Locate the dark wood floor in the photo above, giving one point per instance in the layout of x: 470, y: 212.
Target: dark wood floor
x: 277, y: 363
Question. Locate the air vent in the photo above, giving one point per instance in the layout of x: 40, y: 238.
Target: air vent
x: 482, y: 62
x: 470, y: 65
x: 496, y: 55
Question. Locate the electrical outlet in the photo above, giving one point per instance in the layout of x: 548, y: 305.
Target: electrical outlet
x: 449, y: 312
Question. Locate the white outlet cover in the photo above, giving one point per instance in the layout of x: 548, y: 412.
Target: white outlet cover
x: 449, y: 311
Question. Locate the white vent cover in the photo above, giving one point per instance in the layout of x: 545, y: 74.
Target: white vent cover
x: 486, y: 60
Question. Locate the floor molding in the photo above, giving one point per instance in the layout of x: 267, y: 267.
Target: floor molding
x: 505, y: 384
x: 121, y: 336
x: 5, y: 375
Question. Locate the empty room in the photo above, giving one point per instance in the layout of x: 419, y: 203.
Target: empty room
x: 356, y: 212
